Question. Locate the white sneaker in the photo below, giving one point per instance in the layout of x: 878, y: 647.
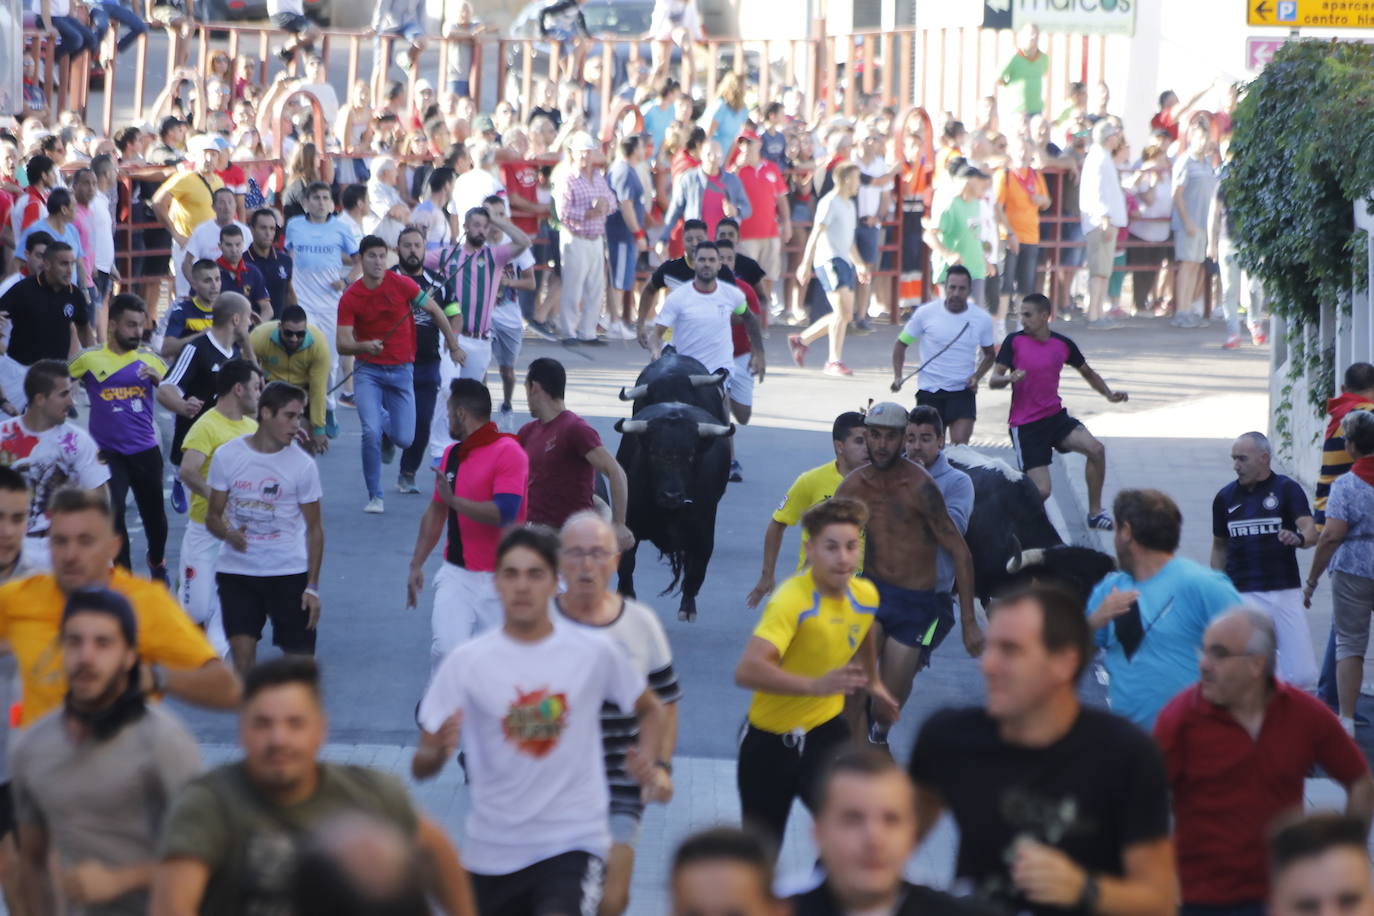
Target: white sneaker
x: 1348, y: 725
x: 505, y: 419
x: 618, y: 331
x: 374, y: 506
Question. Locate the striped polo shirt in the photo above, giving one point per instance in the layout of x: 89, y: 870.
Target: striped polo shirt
x: 475, y: 276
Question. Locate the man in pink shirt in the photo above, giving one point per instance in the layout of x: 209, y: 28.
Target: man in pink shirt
x: 480, y: 490
x: 83, y: 192
x: 769, y: 224
x: 583, y: 206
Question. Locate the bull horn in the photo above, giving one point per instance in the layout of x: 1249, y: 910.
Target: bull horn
x: 1026, y: 558
x: 631, y: 426
x: 714, y: 430
x: 701, y: 381
x: 1014, y: 564
x: 633, y: 394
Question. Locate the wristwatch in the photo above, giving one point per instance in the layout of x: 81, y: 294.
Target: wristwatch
x: 664, y: 765
x: 1087, y: 902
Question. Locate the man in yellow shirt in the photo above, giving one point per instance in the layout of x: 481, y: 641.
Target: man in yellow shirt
x: 811, y: 648
x: 176, y: 658
x: 237, y: 386
x: 811, y: 487
x: 292, y: 351
x: 186, y: 200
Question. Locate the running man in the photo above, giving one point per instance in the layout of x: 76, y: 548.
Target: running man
x: 587, y: 560
x: 833, y: 251
x: 700, y: 313
x: 674, y: 273
x: 265, y: 505
x: 321, y: 246
x: 953, y: 332
x: 809, y: 489
x: 1031, y: 361
x: 813, y: 646
x: 411, y: 253
x: 238, y: 384
x: 473, y: 270
x: 507, y: 323
x: 527, y: 698
x: 49, y: 450
x: 480, y: 488
x: 907, y: 526
x: 121, y: 379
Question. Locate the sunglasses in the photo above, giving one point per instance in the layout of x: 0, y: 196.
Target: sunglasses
x: 294, y: 335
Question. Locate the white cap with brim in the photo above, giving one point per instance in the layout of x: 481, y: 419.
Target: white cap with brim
x: 201, y: 143
x: 886, y: 413
x: 581, y: 141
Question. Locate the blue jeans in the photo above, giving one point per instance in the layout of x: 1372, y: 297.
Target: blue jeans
x: 385, y: 398
x: 426, y: 391
x: 105, y: 10
x: 73, y: 37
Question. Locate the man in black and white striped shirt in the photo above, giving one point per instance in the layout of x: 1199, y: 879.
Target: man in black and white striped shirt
x: 589, y: 557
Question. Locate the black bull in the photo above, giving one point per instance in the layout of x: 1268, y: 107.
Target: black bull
x: 1011, y: 537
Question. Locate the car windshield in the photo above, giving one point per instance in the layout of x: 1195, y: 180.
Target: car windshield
x: 618, y: 19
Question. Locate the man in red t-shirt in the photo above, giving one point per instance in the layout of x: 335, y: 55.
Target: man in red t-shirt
x: 1238, y: 747
x: 565, y: 455
x: 769, y: 224
x: 377, y: 324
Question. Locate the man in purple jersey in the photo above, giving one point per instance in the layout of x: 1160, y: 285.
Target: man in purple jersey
x: 1031, y: 361
x: 121, y: 380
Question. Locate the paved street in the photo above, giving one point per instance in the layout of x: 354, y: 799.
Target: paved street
x: 1189, y: 398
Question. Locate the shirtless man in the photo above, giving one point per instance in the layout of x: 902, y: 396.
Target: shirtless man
x: 907, y: 522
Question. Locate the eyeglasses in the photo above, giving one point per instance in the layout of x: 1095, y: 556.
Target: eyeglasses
x: 598, y: 554
x: 294, y: 335
x: 1219, y: 653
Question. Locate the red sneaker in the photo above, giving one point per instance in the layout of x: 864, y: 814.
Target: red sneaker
x: 837, y: 368
x: 794, y: 343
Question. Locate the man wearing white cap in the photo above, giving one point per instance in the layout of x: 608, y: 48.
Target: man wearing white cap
x: 187, y: 199
x: 583, y: 205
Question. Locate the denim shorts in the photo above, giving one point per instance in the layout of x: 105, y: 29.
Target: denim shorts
x: 836, y: 274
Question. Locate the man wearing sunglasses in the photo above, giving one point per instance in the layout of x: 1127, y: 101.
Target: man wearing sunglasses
x: 293, y: 351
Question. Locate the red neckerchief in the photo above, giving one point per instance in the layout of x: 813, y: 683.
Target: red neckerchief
x: 485, y: 434
x: 1363, y: 468
x: 1341, y: 405
x: 238, y: 271
x: 1026, y: 179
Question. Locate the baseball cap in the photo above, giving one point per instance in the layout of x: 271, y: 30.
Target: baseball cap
x: 201, y: 143
x: 168, y: 123
x: 886, y: 413
x: 581, y: 141
x: 482, y: 123
x: 748, y: 136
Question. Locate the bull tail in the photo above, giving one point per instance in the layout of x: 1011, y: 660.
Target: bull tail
x: 677, y: 561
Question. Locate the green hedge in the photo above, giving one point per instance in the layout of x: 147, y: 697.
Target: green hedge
x: 1302, y: 151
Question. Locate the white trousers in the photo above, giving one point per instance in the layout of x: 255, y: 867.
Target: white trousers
x: 474, y: 366
x: 326, y: 318
x: 198, y: 592
x: 1297, y: 662
x: 465, y: 605
x: 584, y: 285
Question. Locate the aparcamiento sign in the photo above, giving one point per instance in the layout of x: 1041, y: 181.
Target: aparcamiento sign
x: 1098, y: 17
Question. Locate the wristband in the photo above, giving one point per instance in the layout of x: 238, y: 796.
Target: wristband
x: 641, y: 234
x: 314, y: 430
x: 665, y: 766
x: 453, y: 309
x: 312, y: 591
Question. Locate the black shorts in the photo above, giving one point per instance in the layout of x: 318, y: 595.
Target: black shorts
x: 6, y: 810
x: 952, y: 405
x: 248, y: 602
x: 291, y: 22
x: 568, y: 883
x: 1036, y: 442
x: 919, y: 619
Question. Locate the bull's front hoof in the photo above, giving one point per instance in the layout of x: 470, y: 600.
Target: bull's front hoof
x: 687, y: 612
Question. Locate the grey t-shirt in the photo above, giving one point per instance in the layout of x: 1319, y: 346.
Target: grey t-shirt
x: 103, y: 800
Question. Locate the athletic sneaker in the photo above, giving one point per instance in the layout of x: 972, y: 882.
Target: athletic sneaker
x: 1102, y: 521
x: 736, y: 472
x: 179, y: 497
x: 1103, y: 324
x: 374, y: 506
x: 837, y: 368
x: 794, y: 343
x: 860, y: 327
x: 1232, y: 342
x: 877, y: 734
x: 331, y: 425
x: 158, y: 573
x: 505, y: 419
x: 388, y: 449
x: 347, y: 399
x: 405, y: 483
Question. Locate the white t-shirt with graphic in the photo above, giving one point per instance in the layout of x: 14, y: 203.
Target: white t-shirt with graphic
x: 531, y: 735
x: 265, y: 495
x: 61, y: 456
x: 701, y: 322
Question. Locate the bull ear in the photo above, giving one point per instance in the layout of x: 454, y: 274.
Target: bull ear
x: 701, y: 381
x: 633, y: 394
x: 714, y: 430
x: 631, y: 426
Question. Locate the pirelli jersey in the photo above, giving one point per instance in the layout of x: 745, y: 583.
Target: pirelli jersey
x: 121, y: 388
x: 1249, y: 520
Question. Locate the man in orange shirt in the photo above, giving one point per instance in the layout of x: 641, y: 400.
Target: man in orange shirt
x: 1019, y: 191
x: 176, y: 658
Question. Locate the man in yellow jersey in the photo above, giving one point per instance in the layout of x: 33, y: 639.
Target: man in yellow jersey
x: 811, y: 648
x: 176, y: 658
x: 811, y: 487
x: 237, y: 386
